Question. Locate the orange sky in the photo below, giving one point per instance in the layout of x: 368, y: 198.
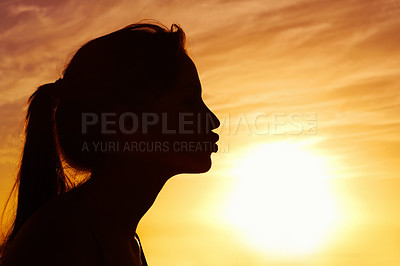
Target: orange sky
x: 338, y: 60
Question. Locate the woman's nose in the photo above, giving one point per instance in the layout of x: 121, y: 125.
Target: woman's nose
x: 215, y: 121
x: 212, y: 120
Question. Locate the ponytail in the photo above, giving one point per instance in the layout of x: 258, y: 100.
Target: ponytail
x: 41, y: 176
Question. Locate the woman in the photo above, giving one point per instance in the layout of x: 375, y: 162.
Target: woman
x: 128, y: 111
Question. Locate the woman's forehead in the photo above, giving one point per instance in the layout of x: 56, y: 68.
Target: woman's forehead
x: 188, y: 75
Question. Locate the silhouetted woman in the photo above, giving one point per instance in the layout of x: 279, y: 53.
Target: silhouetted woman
x: 128, y: 111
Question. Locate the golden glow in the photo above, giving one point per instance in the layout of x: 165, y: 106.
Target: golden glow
x: 338, y: 59
x: 282, y: 203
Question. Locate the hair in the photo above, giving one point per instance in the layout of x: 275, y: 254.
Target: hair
x: 123, y: 67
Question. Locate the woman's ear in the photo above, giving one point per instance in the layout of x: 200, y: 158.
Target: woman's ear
x: 126, y: 120
x: 121, y: 108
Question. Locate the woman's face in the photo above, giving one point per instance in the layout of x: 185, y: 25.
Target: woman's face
x: 178, y: 135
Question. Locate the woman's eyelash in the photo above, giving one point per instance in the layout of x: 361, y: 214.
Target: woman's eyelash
x: 191, y: 100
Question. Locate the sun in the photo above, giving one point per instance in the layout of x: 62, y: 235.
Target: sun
x: 282, y: 203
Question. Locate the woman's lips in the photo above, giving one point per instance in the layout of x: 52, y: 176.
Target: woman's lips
x: 213, y: 137
x: 215, y: 147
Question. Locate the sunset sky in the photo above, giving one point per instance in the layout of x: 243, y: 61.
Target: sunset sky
x: 308, y: 97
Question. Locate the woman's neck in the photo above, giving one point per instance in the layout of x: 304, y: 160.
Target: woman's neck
x: 118, y: 197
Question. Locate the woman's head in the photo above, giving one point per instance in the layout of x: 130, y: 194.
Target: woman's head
x: 141, y: 70
x: 136, y: 88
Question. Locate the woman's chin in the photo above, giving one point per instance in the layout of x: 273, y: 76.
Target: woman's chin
x: 197, y: 165
x: 189, y: 163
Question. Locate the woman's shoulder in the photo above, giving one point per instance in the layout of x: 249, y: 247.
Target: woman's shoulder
x: 53, y: 235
